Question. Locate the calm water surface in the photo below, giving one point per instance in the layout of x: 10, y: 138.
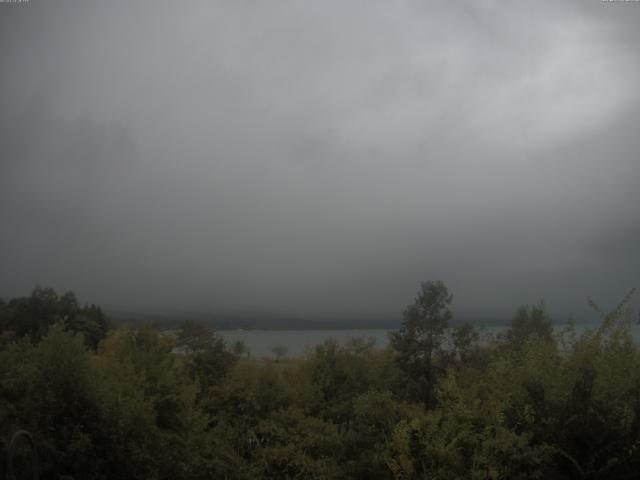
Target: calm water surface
x: 297, y: 342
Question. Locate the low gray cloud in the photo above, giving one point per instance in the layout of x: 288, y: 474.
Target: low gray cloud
x: 320, y: 159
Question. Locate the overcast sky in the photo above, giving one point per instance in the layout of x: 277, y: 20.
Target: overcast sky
x: 321, y: 158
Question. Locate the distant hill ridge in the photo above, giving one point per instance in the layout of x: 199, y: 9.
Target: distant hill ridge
x: 267, y: 322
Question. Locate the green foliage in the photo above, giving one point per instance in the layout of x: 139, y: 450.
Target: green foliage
x: 146, y: 404
x: 527, y: 322
x: 420, y: 338
x: 339, y: 374
x: 206, y: 357
x: 292, y: 445
x: 31, y: 317
x: 47, y: 389
x: 464, y: 340
x: 194, y: 337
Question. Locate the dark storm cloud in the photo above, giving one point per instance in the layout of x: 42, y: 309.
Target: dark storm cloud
x: 320, y: 158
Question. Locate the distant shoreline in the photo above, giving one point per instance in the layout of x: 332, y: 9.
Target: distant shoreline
x: 241, y: 322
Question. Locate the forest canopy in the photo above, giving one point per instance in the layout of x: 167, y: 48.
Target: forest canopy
x: 441, y: 401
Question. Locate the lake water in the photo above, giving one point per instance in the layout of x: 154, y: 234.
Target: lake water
x: 297, y: 342
x: 261, y: 342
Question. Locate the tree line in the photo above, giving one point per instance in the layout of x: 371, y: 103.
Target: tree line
x: 437, y: 403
